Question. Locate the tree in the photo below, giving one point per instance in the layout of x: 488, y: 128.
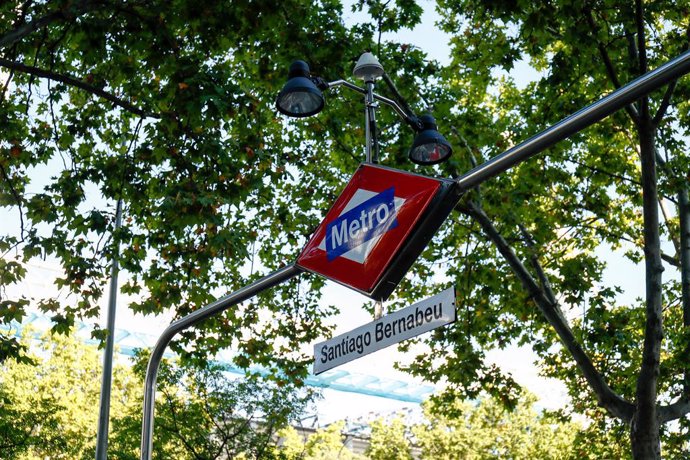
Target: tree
x: 482, y: 429
x: 526, y: 250
x: 388, y: 440
x: 202, y: 413
x: 486, y: 429
x: 325, y: 443
x: 168, y: 107
x: 173, y: 90
x: 48, y: 405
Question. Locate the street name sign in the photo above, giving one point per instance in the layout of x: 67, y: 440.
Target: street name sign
x: 377, y: 227
x: 409, y: 322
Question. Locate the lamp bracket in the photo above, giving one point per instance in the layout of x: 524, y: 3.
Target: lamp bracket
x: 414, y: 122
x: 320, y: 83
x: 411, y: 120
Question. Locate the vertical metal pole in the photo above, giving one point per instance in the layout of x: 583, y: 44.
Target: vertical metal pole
x: 370, y: 122
x: 220, y: 305
x: 106, y: 381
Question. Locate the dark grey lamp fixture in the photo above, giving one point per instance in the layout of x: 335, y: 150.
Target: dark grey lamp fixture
x: 302, y: 97
x: 429, y: 146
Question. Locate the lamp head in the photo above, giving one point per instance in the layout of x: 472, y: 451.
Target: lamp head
x: 368, y: 68
x: 300, y: 97
x: 429, y: 146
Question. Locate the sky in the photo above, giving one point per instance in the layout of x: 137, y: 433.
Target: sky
x: 517, y: 361
x: 335, y: 404
x: 426, y: 36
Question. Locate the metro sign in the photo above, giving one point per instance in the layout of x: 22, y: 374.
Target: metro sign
x: 376, y: 229
x: 355, y: 232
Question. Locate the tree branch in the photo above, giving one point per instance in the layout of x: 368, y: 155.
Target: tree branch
x: 670, y: 260
x: 19, y: 32
x: 682, y: 246
x: 613, y: 403
x: 667, y: 223
x: 642, y: 56
x: 203, y: 394
x: 603, y: 172
x: 473, y: 161
x: 641, y: 35
x: 18, y: 198
x: 610, y: 70
x: 684, y: 217
x: 674, y: 411
x: 259, y: 451
x: 607, y: 398
x: 534, y: 261
x: 17, y: 66
x: 343, y: 147
x: 665, y: 102
x: 176, y: 426
x: 396, y: 94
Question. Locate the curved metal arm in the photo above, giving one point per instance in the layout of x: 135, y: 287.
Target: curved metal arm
x: 411, y: 120
x: 247, y: 292
x: 346, y: 84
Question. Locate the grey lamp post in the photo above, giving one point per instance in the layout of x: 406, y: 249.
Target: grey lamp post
x: 302, y: 97
x: 107, y: 378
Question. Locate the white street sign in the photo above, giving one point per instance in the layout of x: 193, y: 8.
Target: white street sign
x: 403, y: 324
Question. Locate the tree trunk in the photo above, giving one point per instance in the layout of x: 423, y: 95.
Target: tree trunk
x: 644, y: 429
x: 644, y: 437
x: 684, y: 217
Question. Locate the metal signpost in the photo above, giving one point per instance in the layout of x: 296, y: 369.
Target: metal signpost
x: 376, y: 222
x: 107, y: 379
x: 219, y: 306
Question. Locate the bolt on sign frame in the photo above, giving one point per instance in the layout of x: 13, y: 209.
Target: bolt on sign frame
x: 570, y: 125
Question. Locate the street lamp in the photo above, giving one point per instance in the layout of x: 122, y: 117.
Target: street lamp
x: 302, y: 96
x: 429, y: 146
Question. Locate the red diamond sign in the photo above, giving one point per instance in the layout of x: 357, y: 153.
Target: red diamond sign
x: 375, y: 228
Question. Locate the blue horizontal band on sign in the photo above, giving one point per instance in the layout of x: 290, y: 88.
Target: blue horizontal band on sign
x: 361, y: 223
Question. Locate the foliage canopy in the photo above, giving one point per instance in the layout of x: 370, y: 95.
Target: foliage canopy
x: 48, y: 406
x: 169, y: 107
